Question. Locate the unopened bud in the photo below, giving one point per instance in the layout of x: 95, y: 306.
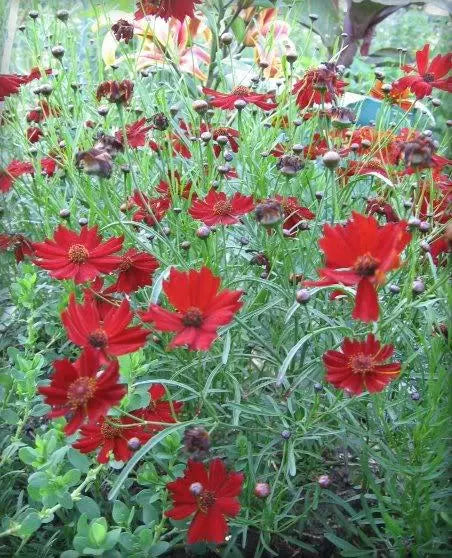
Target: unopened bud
x: 331, y: 159
x: 196, y: 488
x: 227, y: 38
x: 200, y: 106
x: 262, y: 489
x: 203, y: 232
x: 324, y: 481
x: 303, y: 296
x: 134, y: 444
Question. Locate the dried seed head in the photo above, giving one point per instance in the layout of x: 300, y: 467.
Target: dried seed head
x: 196, y: 442
x: 269, y: 213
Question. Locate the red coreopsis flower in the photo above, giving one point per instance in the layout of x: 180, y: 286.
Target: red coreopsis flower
x: 123, y: 30
x: 48, y: 166
x: 226, y: 101
x: 81, y: 257
x: 211, y: 494
x: 179, y: 9
x: 112, y: 435
x: 361, y: 168
x: 201, y: 308
x: 83, y: 390
x: 41, y: 112
x: 442, y: 245
x: 135, y: 271
x: 135, y: 132
x: 21, y: 245
x: 217, y: 209
x: 14, y: 170
x: 115, y: 91
x: 380, y: 206
x: 359, y: 366
x: 294, y: 213
x: 177, y: 187
x: 150, y: 210
x: 229, y: 133
x: 109, y: 334
x: 34, y: 134
x: 11, y: 83
x: 319, y: 85
x: 360, y: 253
x: 429, y: 75
x: 159, y: 410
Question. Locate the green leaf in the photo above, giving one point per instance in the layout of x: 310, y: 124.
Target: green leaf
x: 88, y: 506
x: 159, y: 548
x: 120, y: 512
x: 78, y: 460
x: 97, y: 532
x: 30, y: 524
x: 238, y: 27
x: 28, y: 455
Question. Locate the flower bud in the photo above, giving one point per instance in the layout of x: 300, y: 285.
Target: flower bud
x: 303, y: 296
x: 262, y: 489
x: 206, y: 137
x: 226, y: 38
x: 58, y: 52
x: 62, y: 15
x: 196, y: 488
x: 240, y: 104
x: 200, y: 106
x: 286, y: 434
x: 203, y: 232
x: 83, y: 221
x: 313, y: 17
x: 134, y: 444
x: 394, y: 289
x: 185, y: 245
x: 33, y: 14
x: 418, y: 286
x: 45, y: 89
x: 331, y: 159
x: 415, y: 396
x: 65, y: 213
x: 318, y: 387
x: 424, y: 226
x: 324, y: 481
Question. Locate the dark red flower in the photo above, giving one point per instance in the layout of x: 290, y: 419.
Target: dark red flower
x: 442, y: 245
x: 83, y: 389
x: 200, y: 308
x: 135, y: 271
x: 381, y: 207
x: 48, y: 166
x: 111, y: 435
x: 226, y: 101
x: 135, y: 132
x: 151, y: 210
x: 14, y: 170
x: 217, y: 209
x: 21, y: 245
x: 429, y: 75
x: 109, y: 334
x: 223, y: 131
x: 122, y: 29
x: 41, y: 112
x: 209, y: 493
x: 80, y: 257
x: 319, y: 85
x: 181, y: 190
x: 34, y: 134
x: 359, y: 366
x: 11, y: 83
x: 361, y: 253
x: 115, y: 91
x: 294, y: 213
x: 159, y: 410
x: 165, y: 9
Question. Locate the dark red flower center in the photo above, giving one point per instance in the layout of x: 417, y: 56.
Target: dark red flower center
x: 288, y: 206
x: 428, y: 77
x: 222, y: 207
x: 126, y: 264
x: 109, y: 430
x: 241, y: 91
x: 193, y: 317
x: 361, y: 364
x: 205, y: 501
x: 98, y: 338
x: 366, y: 265
x: 78, y: 254
x: 81, y: 391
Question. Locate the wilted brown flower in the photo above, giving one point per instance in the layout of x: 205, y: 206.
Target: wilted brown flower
x: 196, y: 442
x: 269, y: 213
x: 289, y: 165
x: 115, y: 91
x: 95, y: 161
x: 109, y: 144
x: 123, y: 29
